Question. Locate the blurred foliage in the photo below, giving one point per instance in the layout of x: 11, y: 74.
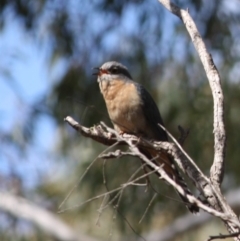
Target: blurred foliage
x: 159, y: 54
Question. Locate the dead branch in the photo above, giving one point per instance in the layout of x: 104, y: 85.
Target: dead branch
x: 116, y: 154
x: 95, y: 132
x: 223, y: 236
x: 217, y: 169
x: 182, y: 160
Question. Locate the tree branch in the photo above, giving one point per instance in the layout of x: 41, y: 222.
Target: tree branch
x: 108, y: 135
x: 217, y: 169
x: 180, y: 157
x: 187, y: 222
x: 223, y: 236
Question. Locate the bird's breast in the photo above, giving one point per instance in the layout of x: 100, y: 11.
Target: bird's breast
x: 124, y: 107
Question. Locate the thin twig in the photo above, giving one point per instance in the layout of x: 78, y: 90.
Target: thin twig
x: 107, y: 193
x: 76, y: 184
x: 100, y: 210
x: 82, y: 176
x: 150, y: 203
x: 183, y: 135
x: 124, y: 218
x: 223, y: 236
x: 182, y: 151
x: 129, y: 183
x: 103, y: 172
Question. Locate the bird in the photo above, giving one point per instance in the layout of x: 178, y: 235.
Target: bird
x: 132, y: 110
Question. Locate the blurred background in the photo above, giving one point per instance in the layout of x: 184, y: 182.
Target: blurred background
x: 48, y: 49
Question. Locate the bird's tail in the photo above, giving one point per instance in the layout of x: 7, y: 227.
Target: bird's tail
x: 172, y: 171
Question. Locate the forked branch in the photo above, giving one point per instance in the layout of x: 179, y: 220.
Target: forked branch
x: 108, y: 136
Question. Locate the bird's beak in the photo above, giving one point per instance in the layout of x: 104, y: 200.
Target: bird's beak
x: 100, y: 71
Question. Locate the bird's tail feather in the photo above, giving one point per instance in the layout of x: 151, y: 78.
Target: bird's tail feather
x: 172, y: 171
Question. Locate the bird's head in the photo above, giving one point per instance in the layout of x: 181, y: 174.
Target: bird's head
x: 112, y: 71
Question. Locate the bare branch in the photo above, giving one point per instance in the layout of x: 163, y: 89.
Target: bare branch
x: 150, y: 203
x: 116, y: 154
x: 223, y: 236
x: 96, y: 132
x: 217, y: 169
x: 190, y: 198
x: 220, y: 208
x: 163, y: 175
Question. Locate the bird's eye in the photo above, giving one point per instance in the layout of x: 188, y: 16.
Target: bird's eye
x: 114, y: 70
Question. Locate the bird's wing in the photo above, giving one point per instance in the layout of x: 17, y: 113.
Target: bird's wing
x: 152, y: 114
